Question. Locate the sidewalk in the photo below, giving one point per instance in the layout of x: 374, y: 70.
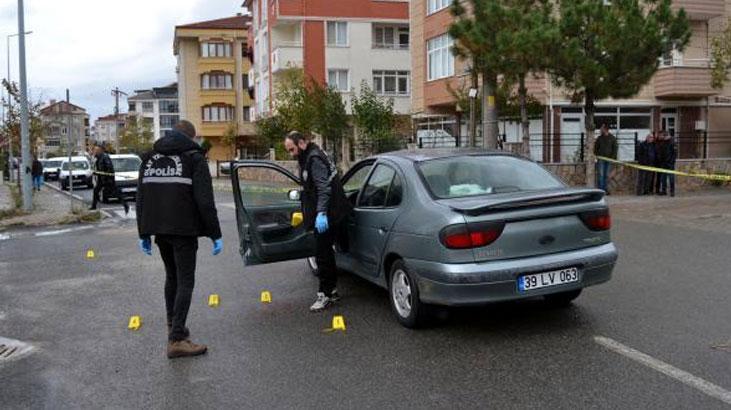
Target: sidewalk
x: 49, y: 208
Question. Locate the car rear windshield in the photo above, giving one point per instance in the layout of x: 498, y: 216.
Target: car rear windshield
x: 458, y: 177
x: 126, y: 164
x: 78, y: 165
x: 52, y: 164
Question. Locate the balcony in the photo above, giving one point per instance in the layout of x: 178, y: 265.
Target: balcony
x: 701, y: 9
x: 287, y: 56
x: 683, y: 78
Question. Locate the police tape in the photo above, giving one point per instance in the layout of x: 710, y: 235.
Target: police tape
x: 715, y: 177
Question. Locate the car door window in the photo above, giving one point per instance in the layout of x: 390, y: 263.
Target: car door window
x: 355, y: 181
x: 264, y: 187
x: 395, y: 193
x: 376, y: 189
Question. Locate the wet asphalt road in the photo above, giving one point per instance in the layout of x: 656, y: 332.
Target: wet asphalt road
x: 669, y: 299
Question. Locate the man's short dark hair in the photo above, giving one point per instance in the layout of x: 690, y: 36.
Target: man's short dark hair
x: 296, y: 137
x: 185, y: 127
x: 99, y: 144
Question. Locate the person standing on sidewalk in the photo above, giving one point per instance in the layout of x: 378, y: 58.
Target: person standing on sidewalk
x: 646, y: 157
x: 667, y: 154
x: 175, y: 204
x: 604, y: 146
x: 324, y: 207
x: 36, y: 172
x: 104, y: 172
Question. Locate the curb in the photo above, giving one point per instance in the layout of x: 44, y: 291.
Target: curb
x: 78, y: 198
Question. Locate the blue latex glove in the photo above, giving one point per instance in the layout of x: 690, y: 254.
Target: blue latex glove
x: 321, y: 222
x: 146, y: 246
x: 217, y: 246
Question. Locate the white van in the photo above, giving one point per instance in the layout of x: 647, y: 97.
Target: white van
x: 51, y: 167
x: 126, y: 171
x: 81, y: 173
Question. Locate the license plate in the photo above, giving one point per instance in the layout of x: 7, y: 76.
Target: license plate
x: 129, y: 189
x: 547, y: 279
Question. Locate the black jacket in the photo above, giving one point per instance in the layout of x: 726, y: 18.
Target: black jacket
x: 666, y: 154
x: 103, y: 164
x: 322, y: 190
x: 646, y: 153
x: 174, y: 192
x: 36, y: 168
x: 606, y: 146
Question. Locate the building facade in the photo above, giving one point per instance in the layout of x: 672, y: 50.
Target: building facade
x: 159, y: 105
x: 340, y: 43
x: 213, y: 69
x: 678, y: 99
x: 61, y: 121
x: 109, y: 128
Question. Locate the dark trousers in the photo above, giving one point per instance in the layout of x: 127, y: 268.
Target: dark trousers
x: 98, y: 188
x: 178, y: 254
x: 645, y: 181
x: 665, y: 180
x: 602, y: 174
x: 325, y: 258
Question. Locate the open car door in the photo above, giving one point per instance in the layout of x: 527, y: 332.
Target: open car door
x: 269, y: 218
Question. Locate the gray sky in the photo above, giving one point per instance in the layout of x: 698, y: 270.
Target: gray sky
x: 91, y: 46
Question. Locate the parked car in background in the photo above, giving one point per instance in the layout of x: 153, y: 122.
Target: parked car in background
x: 51, y: 168
x: 441, y: 227
x: 80, y: 174
x: 126, y: 172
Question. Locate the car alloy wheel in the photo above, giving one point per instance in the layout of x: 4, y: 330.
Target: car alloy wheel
x: 401, y: 293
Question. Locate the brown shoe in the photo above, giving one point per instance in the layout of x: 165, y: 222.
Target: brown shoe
x: 185, y: 348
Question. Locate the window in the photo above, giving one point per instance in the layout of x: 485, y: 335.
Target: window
x: 169, y: 106
x: 337, y: 33
x: 338, y: 79
x: 391, y: 82
x: 147, y: 106
x: 440, y: 58
x: 132, y: 107
x: 393, y: 37
x: 356, y: 180
x: 376, y: 191
x: 209, y: 50
x: 247, y: 114
x: 435, y: 5
x: 168, y: 121
x: 244, y: 81
x: 217, y: 81
x: 218, y: 113
x: 395, y: 193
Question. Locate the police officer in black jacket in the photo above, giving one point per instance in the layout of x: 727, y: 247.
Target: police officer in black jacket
x: 324, y: 207
x: 104, y: 172
x: 175, y: 203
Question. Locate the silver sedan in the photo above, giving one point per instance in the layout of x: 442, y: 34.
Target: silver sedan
x: 440, y: 227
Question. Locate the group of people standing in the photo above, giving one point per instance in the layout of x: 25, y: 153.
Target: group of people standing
x: 657, y: 150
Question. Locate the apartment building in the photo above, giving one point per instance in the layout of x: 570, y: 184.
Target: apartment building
x: 678, y: 99
x: 109, y: 128
x: 339, y: 43
x: 213, y: 69
x: 159, y: 105
x: 62, y: 120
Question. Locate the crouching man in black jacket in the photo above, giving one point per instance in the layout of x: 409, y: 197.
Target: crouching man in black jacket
x: 324, y: 207
x: 175, y: 203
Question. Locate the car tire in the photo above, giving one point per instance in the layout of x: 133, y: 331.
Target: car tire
x: 562, y: 299
x: 403, y: 295
x: 63, y: 186
x: 312, y: 266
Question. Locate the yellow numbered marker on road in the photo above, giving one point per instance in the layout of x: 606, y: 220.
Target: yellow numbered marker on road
x: 266, y: 297
x: 90, y: 254
x: 338, y: 323
x: 134, y: 323
x: 213, y: 300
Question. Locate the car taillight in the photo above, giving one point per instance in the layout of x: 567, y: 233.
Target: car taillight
x: 597, y: 220
x: 466, y: 236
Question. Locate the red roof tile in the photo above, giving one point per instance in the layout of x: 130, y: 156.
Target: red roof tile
x: 232, y: 23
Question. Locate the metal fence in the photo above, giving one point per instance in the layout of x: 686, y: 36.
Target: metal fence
x: 569, y: 147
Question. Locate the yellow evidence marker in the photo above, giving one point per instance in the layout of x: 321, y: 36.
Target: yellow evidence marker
x: 213, y: 300
x: 297, y: 219
x: 90, y: 254
x: 338, y: 323
x: 266, y: 297
x: 134, y: 323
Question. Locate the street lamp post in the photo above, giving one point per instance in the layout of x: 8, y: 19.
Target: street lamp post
x: 24, y: 126
x: 10, y: 102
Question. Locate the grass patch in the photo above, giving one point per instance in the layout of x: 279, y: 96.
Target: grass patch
x: 81, y: 216
x: 17, y: 209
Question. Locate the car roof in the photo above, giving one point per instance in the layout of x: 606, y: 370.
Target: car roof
x: 439, y: 153
x: 65, y: 159
x: 124, y: 156
x: 56, y: 158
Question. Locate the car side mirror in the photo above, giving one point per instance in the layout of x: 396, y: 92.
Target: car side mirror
x: 294, y: 195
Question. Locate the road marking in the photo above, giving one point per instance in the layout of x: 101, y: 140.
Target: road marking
x: 61, y: 231
x: 4, y: 237
x: 131, y: 215
x: 682, y: 376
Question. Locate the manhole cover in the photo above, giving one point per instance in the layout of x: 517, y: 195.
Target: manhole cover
x: 13, y: 349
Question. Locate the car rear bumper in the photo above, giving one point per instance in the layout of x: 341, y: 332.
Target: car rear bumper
x: 487, y: 282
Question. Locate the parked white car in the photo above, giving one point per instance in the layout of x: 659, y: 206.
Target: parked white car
x: 126, y: 172
x: 51, y: 168
x: 81, y: 173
